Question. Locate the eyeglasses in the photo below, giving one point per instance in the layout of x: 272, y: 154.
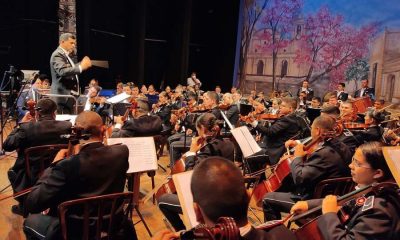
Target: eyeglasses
x: 357, y: 164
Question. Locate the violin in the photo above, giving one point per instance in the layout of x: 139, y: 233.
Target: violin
x: 310, y: 230
x: 96, y: 100
x: 224, y: 106
x: 31, y: 104
x: 355, y: 125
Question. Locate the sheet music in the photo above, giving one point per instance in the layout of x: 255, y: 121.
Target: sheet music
x: 182, y: 184
x: 142, y: 153
x: 246, y: 142
x: 66, y: 117
x: 392, y: 156
x: 118, y: 98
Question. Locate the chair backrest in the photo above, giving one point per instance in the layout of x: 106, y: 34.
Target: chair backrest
x: 41, y: 157
x: 334, y: 186
x: 97, y: 215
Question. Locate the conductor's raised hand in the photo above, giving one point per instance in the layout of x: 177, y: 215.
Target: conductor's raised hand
x: 86, y: 63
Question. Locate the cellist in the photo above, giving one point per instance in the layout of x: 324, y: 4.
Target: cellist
x: 200, y: 149
x: 370, y: 216
x: 327, y: 159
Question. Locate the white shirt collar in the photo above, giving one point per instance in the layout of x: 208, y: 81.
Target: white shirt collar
x: 245, y: 229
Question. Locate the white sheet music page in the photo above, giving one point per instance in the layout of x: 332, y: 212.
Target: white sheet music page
x: 118, y: 98
x: 182, y: 184
x: 246, y: 142
x: 142, y: 153
x: 392, y: 157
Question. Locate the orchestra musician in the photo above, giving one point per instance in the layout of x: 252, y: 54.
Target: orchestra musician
x: 94, y: 170
x: 210, y: 102
x: 341, y: 95
x: 142, y: 124
x: 328, y: 159
x: 373, y: 131
x: 206, y: 125
x: 365, y: 90
x: 229, y: 199
x: 370, y: 216
x: 315, y: 102
x: 31, y: 132
x: 163, y: 109
x: 232, y: 110
x: 281, y: 130
x: 305, y: 88
x: 193, y: 80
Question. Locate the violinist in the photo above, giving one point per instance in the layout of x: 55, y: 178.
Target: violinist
x: 163, y: 109
x: 94, y: 170
x: 94, y: 102
x: 371, y: 216
x: 373, y: 130
x: 315, y: 102
x: 142, y: 124
x: 203, y: 146
x: 119, y: 88
x: 42, y: 129
x: 347, y: 113
x: 379, y: 106
x: 210, y: 102
x: 232, y: 110
x: 281, y: 130
x: 229, y: 199
x: 326, y: 159
x: 274, y: 109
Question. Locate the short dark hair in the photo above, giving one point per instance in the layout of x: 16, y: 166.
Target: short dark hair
x: 213, y: 95
x: 342, y: 84
x: 292, y: 102
x: 331, y: 110
x: 317, y: 98
x: 46, y: 107
x: 373, y: 154
x: 229, y: 197
x: 325, y: 122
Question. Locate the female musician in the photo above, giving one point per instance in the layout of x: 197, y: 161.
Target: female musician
x: 371, y: 216
x: 200, y: 148
x: 374, y: 131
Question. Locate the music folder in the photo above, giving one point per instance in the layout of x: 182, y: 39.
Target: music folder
x: 100, y: 63
x: 246, y: 142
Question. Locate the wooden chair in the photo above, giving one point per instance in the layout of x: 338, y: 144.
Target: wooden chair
x: 334, y: 186
x: 43, y: 155
x: 100, y: 217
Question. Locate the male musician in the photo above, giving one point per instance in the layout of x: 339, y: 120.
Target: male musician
x: 31, y: 132
x: 64, y: 71
x: 210, y: 101
x: 282, y: 130
x: 316, y: 102
x: 328, y: 160
x: 141, y: 125
x: 378, y: 106
x: 305, y: 88
x: 232, y: 111
x: 365, y: 90
x: 163, y: 109
x: 94, y: 171
x: 228, y: 199
x: 193, y: 80
x: 341, y: 95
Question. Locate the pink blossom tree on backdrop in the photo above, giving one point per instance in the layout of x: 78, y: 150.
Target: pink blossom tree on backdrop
x: 329, y: 46
x: 278, y: 20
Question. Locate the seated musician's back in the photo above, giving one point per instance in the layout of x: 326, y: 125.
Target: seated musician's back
x: 95, y: 170
x: 42, y: 129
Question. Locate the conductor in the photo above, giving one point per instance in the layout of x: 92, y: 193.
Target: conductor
x: 65, y: 71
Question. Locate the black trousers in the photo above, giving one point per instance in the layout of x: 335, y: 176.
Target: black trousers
x: 171, y: 208
x: 276, y: 202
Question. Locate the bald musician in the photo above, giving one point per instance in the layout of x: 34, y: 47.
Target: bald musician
x: 228, y: 199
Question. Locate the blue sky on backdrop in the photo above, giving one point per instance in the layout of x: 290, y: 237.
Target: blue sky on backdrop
x: 360, y: 12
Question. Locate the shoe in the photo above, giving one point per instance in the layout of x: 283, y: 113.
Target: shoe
x: 16, y: 209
